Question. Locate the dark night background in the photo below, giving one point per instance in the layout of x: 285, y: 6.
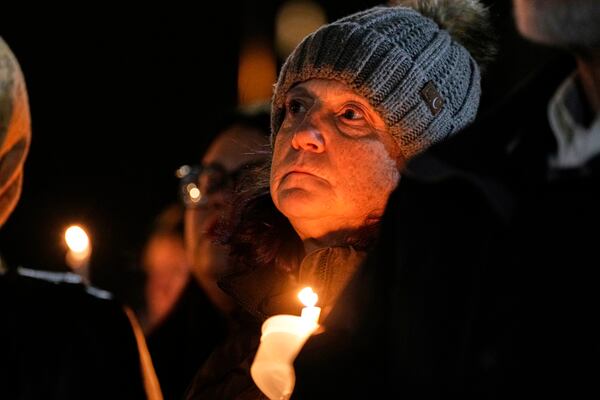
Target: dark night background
x: 120, y: 98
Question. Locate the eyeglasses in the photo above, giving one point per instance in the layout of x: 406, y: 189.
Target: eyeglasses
x: 198, y: 182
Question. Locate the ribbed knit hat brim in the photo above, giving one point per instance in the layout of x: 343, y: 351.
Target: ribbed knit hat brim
x: 425, y: 85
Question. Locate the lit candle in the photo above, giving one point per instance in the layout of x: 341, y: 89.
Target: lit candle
x: 79, y: 250
x: 282, y: 338
x: 309, y: 299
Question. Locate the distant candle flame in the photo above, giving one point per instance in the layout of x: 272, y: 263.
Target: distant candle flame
x: 76, y: 238
x: 308, y: 297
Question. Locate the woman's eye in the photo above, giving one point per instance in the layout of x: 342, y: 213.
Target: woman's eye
x: 352, y: 114
x: 295, y: 107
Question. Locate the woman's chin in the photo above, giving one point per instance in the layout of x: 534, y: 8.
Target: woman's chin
x: 300, y: 203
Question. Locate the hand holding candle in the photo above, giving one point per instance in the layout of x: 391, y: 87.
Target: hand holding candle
x: 282, y: 338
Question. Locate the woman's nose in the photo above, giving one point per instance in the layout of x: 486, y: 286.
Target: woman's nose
x: 309, y: 138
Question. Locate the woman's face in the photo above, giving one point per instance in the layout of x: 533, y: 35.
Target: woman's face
x: 334, y: 162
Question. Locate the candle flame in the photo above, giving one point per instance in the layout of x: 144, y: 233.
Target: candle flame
x: 76, y: 238
x: 308, y: 297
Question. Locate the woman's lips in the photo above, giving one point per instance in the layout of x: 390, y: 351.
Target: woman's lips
x: 300, y: 173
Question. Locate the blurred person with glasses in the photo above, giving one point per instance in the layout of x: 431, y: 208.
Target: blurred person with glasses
x: 202, y: 314
x: 206, y: 191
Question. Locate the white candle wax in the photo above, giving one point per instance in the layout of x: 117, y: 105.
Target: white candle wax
x: 311, y: 314
x: 282, y: 338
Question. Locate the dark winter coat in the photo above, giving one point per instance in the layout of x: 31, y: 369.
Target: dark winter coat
x: 64, y: 341
x: 484, y: 282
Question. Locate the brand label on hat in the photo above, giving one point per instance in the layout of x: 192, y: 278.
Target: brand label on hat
x: 433, y: 99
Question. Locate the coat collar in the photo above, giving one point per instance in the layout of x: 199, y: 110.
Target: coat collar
x: 265, y: 291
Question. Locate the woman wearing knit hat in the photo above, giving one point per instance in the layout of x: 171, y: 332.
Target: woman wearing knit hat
x: 353, y: 103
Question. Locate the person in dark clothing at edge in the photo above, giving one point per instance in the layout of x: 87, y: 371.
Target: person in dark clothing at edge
x: 487, y: 286
x: 60, y: 339
x: 354, y: 101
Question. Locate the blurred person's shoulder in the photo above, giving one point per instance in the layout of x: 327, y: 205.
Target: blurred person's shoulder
x: 61, y: 338
x: 32, y: 299
x: 51, y: 288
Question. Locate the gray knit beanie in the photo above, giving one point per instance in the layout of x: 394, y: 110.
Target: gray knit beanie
x: 424, y: 84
